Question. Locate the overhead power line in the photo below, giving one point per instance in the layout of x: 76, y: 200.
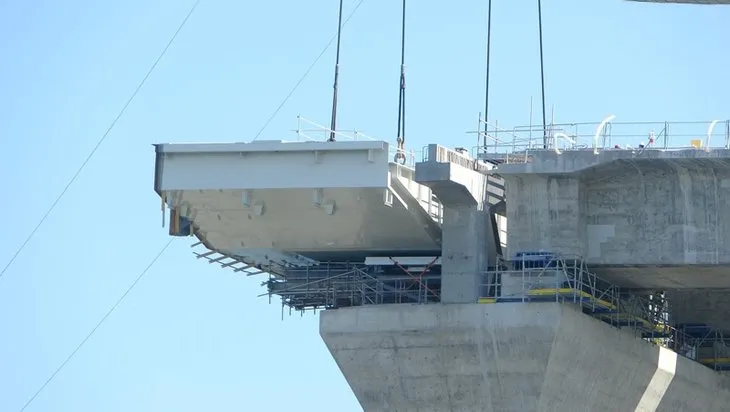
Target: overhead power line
x: 100, y: 141
x: 98, y: 324
x: 159, y: 254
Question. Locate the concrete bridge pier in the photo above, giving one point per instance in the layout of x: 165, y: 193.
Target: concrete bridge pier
x: 509, y: 358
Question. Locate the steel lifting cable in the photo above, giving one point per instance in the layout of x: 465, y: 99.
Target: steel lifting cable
x: 542, y: 76
x: 486, y: 83
x: 400, y: 155
x: 333, y: 124
x: 306, y: 73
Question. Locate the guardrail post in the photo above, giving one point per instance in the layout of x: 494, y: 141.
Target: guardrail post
x: 299, y: 127
x: 709, y: 134
x: 600, y: 129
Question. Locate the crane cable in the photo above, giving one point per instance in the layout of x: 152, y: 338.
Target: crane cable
x: 401, y: 135
x: 542, y: 77
x: 486, y: 83
x: 333, y: 124
x: 306, y: 73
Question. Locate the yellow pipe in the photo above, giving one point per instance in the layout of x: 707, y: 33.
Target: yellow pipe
x: 714, y: 361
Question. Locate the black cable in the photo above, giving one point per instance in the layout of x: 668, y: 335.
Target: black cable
x: 402, y: 98
x: 156, y: 258
x: 401, y: 135
x: 333, y: 124
x: 98, y: 324
x: 486, y: 83
x: 542, y: 77
x: 306, y: 73
x: 100, y: 141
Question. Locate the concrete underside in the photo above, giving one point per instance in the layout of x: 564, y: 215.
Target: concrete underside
x: 273, y: 201
x: 509, y: 357
x: 707, y: 306
x: 666, y: 277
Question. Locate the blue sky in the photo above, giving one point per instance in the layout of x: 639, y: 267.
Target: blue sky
x: 194, y: 337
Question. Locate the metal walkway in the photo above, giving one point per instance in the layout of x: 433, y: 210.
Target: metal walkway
x: 547, y: 278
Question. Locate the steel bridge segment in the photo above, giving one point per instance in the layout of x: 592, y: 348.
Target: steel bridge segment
x: 241, y: 201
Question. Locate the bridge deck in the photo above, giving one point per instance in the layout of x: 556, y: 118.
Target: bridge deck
x: 293, y: 202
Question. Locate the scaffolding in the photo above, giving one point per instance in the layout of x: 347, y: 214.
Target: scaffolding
x: 530, y: 277
x: 333, y: 285
x: 545, y: 277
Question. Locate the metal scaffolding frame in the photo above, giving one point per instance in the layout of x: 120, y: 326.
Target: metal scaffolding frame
x: 533, y: 277
x: 334, y: 285
x: 547, y: 277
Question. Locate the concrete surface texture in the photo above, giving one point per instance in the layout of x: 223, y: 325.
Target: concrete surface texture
x: 509, y: 358
x: 708, y: 306
x: 470, y: 242
x: 622, y: 207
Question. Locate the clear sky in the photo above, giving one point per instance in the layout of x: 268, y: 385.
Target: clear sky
x: 194, y: 337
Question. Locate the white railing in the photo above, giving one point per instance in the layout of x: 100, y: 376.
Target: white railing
x: 434, y: 208
x: 427, y: 200
x: 308, y: 130
x: 312, y: 131
x: 442, y: 154
x: 517, y: 144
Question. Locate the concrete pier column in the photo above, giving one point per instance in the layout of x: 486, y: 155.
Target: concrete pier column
x: 468, y: 245
x: 466, y: 238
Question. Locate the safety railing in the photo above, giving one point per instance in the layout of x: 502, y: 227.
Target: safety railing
x: 433, y: 207
x: 428, y: 201
x: 516, y: 144
x: 308, y: 130
x: 544, y: 274
x: 441, y: 154
x: 341, y: 284
x: 536, y: 277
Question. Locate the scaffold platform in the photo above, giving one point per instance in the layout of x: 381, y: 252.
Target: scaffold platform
x: 567, y: 280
